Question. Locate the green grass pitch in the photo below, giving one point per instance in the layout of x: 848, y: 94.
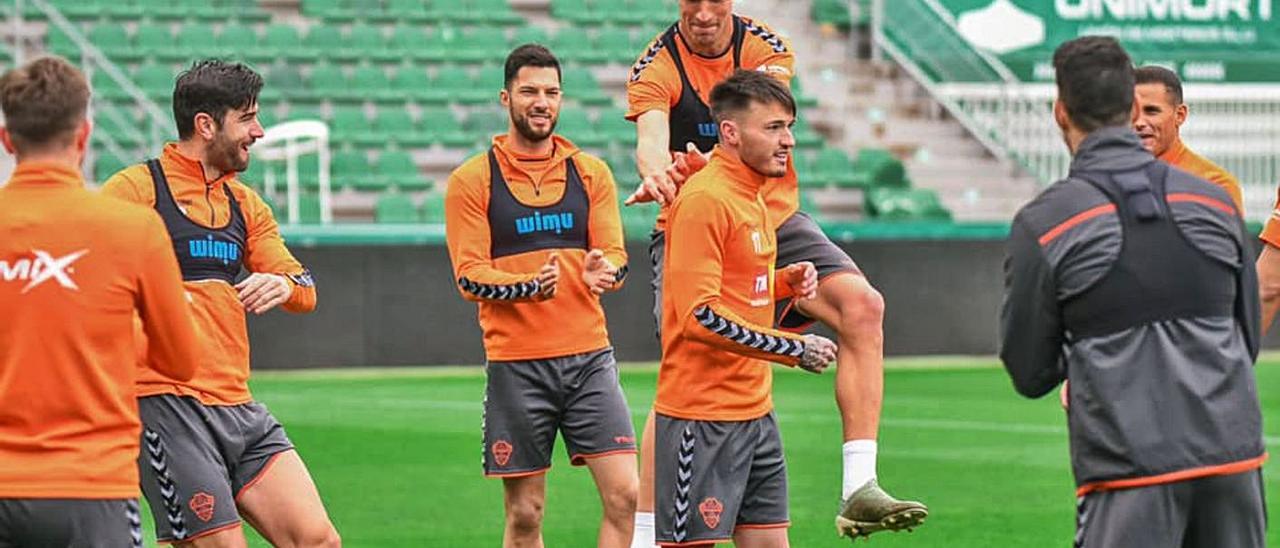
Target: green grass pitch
x: 396, y: 454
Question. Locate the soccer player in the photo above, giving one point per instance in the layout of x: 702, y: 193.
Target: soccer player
x: 1161, y: 115
x: 535, y: 236
x: 1268, y: 265
x: 667, y: 95
x: 720, y: 473
x: 210, y: 453
x: 75, y: 269
x: 1135, y: 280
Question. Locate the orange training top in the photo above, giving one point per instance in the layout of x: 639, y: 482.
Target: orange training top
x: 1271, y: 230
x: 655, y: 85
x: 516, y: 326
x: 223, y: 373
x: 1183, y: 158
x: 717, y: 299
x: 75, y: 270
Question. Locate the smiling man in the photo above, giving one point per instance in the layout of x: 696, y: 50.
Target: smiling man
x: 210, y: 453
x: 1161, y: 115
x: 535, y: 237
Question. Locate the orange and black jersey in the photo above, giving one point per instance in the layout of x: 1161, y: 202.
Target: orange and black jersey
x: 76, y: 268
x: 223, y: 374
x: 505, y: 214
x: 718, y: 296
x: 671, y: 78
x: 1183, y: 158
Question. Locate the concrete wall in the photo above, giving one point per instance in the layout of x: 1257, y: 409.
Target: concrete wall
x: 396, y: 305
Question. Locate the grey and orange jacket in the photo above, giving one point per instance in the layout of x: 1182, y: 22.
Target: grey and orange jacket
x: 1135, y: 281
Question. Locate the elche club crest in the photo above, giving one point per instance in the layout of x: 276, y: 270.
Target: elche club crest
x: 202, y: 504
x: 501, y: 450
x: 710, y: 508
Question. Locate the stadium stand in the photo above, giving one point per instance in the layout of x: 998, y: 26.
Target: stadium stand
x: 409, y: 89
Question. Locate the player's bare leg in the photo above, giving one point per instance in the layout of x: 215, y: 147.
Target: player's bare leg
x: 285, y: 507
x: 644, y: 524
x: 616, y: 480
x: 850, y: 306
x: 524, y: 499
x: 750, y: 537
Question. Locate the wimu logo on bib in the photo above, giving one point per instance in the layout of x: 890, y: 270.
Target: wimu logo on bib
x: 551, y: 222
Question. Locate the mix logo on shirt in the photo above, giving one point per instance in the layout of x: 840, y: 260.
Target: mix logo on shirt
x: 554, y: 222
x: 760, y: 293
x: 41, y: 268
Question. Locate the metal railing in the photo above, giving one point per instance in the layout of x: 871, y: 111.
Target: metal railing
x: 1236, y: 126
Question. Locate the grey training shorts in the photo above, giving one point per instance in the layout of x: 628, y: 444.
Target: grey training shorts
x: 526, y: 402
x: 197, y: 459
x: 70, y: 523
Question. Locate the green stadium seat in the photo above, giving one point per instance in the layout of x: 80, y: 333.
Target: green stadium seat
x: 350, y: 168
x: 366, y: 41
x: 893, y: 204
x: 371, y: 82
x: 58, y: 43
x: 413, y: 11
x: 197, y: 41
x: 530, y: 34
x: 397, y: 127
x: 240, y: 41
x: 575, y: 125
x: 255, y: 175
x: 480, y: 45
x: 283, y: 80
x: 395, y: 207
x: 881, y: 168
x: 308, y: 208
x: 613, y: 125
x: 155, y: 80
x: 397, y: 169
x: 441, y: 127
x: 619, y: 44
x: 304, y: 113
x: 122, y: 10
x: 620, y: 11
x: 484, y: 123
x: 578, y: 12
x: 581, y: 85
x: 328, y: 81
x: 804, y: 135
x: 79, y: 10
x: 155, y: 41
x: 113, y: 41
x: 408, y: 41
x: 493, y: 12
x: 104, y: 87
x: 350, y: 125
x: 282, y: 40
x: 802, y: 100
x: 411, y: 82
x: 267, y: 116
x: 489, y: 80
x: 625, y: 174
x: 332, y: 10
x: 833, y: 167
x: 125, y: 130
x: 433, y: 208
x: 323, y: 42
x: 574, y: 45
x: 106, y: 165
x: 460, y: 88
x: 831, y: 12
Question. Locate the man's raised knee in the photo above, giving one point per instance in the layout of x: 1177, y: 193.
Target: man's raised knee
x: 620, y: 500
x: 525, y: 515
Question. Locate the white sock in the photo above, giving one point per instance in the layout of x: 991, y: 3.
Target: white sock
x: 643, y: 537
x: 859, y: 465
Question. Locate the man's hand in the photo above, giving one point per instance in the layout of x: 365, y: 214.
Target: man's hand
x: 803, y: 279
x: 689, y: 162
x: 819, y: 352
x: 598, y: 273
x: 548, y: 276
x: 655, y: 188
x: 261, y: 292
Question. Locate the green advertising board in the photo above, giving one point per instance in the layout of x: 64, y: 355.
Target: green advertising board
x: 1235, y: 41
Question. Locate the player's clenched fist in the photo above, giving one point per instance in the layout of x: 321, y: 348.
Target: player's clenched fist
x: 598, y: 273
x: 819, y: 352
x: 548, y: 276
x: 803, y: 279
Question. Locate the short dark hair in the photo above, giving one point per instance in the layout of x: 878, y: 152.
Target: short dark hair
x: 529, y: 55
x: 1155, y: 74
x: 736, y: 93
x: 1095, y: 82
x: 44, y: 101
x: 212, y: 86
